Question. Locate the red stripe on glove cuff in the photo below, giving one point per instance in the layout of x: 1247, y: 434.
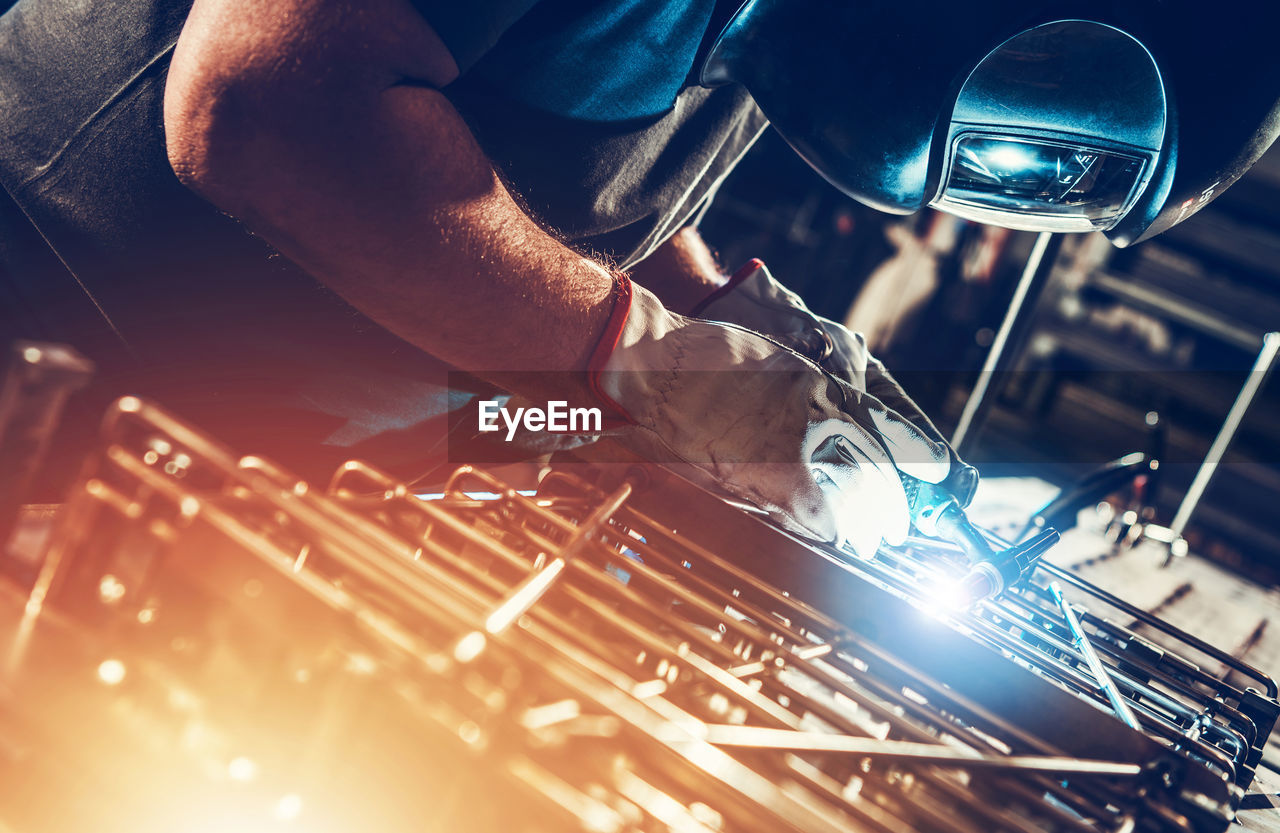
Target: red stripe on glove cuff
x: 745, y: 271
x: 608, y: 342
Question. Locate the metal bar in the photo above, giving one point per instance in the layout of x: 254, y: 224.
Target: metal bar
x: 758, y: 737
x: 1154, y: 622
x: 1161, y: 710
x: 1252, y: 384
x: 526, y: 595
x: 1095, y: 662
x: 1158, y: 624
x: 1034, y: 276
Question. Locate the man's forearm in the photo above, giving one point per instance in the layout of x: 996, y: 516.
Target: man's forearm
x: 682, y: 272
x: 377, y: 188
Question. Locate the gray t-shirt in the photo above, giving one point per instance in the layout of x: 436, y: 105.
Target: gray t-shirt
x: 588, y: 110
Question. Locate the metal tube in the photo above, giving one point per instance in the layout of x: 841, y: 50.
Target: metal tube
x: 1156, y: 623
x: 1032, y: 276
x: 1099, y: 670
x: 1257, y: 375
x: 527, y: 594
x: 759, y: 737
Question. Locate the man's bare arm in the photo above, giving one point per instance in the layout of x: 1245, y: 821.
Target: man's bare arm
x: 682, y: 271
x: 318, y: 123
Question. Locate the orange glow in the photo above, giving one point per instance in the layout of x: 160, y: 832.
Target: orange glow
x: 111, y: 671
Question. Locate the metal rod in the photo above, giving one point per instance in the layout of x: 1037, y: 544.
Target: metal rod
x: 760, y: 737
x: 1145, y: 619
x: 1032, y: 275
x: 529, y: 591
x: 1099, y: 670
x: 1252, y: 384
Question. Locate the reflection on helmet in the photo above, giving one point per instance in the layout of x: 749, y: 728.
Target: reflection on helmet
x: 1041, y: 109
x: 1026, y: 183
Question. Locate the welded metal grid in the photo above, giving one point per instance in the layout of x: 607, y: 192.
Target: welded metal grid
x: 593, y: 663
x: 1222, y: 720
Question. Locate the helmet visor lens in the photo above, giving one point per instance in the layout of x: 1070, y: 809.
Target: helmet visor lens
x: 1039, y: 185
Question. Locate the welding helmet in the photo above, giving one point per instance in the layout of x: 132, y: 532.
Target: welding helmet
x: 1123, y: 118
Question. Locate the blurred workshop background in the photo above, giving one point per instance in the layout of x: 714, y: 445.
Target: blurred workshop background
x: 1120, y: 350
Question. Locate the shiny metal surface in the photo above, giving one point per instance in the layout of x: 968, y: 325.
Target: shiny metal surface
x: 215, y: 645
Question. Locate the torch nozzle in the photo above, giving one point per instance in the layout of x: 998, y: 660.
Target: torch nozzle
x: 988, y: 577
x: 936, y: 513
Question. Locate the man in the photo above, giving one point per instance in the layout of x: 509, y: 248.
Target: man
x: 444, y: 174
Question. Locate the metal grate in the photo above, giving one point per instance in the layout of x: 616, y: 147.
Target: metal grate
x: 565, y: 660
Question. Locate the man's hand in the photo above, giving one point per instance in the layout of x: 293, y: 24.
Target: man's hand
x: 753, y: 299
x: 320, y: 125
x: 763, y: 423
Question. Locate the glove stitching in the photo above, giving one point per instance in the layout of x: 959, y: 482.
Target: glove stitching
x: 749, y: 493
x: 667, y: 382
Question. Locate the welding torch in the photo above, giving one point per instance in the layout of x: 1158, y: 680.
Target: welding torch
x: 936, y: 513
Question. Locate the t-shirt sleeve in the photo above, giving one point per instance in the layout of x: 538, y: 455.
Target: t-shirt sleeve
x: 471, y: 29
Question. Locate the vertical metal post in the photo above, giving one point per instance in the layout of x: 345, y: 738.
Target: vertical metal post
x: 1252, y: 384
x: 1034, y: 278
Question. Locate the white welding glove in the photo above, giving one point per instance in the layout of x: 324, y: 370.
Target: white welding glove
x: 752, y: 298
x: 762, y: 422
